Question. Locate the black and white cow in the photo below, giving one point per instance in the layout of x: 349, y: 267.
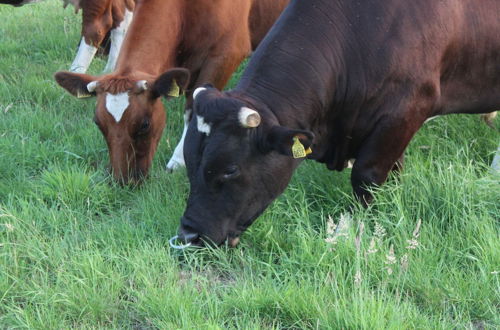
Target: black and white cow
x: 347, y: 79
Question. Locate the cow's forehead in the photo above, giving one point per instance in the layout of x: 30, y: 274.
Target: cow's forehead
x: 117, y: 104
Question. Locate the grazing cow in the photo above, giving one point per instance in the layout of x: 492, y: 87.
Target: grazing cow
x: 101, y: 19
x: 332, y: 81
x: 209, y: 38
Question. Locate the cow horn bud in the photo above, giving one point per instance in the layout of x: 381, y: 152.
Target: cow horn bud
x: 248, y: 118
x: 198, y: 91
x: 142, y: 85
x: 91, y: 86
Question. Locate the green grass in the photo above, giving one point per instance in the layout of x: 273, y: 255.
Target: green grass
x: 77, y: 251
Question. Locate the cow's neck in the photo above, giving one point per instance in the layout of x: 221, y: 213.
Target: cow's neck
x: 152, y: 39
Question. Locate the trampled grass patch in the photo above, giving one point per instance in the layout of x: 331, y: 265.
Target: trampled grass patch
x: 77, y: 250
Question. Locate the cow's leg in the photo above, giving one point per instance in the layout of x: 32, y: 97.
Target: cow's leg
x: 84, y: 56
x: 495, y: 165
x: 380, y: 154
x: 177, y: 159
x: 217, y: 72
x: 94, y: 29
x: 117, y: 37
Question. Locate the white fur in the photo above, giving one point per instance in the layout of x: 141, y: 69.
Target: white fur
x: 203, y: 127
x: 83, y: 57
x: 91, y: 86
x: 117, y: 104
x: 244, y: 114
x: 177, y: 159
x: 117, y: 37
x: 198, y: 91
x: 495, y: 165
x: 142, y: 85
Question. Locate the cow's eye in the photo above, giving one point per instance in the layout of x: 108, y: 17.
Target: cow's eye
x: 145, y: 126
x: 231, y: 172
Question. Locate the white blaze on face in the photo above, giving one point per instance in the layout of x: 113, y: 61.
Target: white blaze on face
x: 117, y: 104
x: 203, y: 127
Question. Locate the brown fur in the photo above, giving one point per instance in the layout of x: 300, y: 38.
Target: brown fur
x: 101, y: 16
x: 209, y: 38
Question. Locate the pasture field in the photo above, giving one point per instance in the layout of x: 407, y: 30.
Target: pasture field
x: 78, y: 251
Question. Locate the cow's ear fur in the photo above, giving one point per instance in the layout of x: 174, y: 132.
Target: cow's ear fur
x: 172, y: 83
x: 75, y: 83
x: 281, y: 139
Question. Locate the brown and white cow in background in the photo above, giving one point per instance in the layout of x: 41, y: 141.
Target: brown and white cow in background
x: 99, y: 18
x: 209, y: 38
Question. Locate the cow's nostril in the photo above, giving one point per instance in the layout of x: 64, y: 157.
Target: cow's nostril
x: 188, y: 235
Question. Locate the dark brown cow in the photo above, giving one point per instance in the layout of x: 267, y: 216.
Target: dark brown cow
x: 210, y: 38
x: 347, y: 79
x: 101, y: 19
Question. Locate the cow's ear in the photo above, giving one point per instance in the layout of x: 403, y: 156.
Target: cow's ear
x: 172, y: 83
x: 78, y: 84
x: 290, y: 142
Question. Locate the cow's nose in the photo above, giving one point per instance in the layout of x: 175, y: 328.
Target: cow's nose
x: 188, y: 235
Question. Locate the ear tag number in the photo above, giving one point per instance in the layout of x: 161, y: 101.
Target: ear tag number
x: 298, y: 150
x: 174, y: 90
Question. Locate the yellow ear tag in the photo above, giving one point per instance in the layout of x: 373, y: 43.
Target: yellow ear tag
x: 81, y: 95
x: 174, y: 90
x: 298, y: 150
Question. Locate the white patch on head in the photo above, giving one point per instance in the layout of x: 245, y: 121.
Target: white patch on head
x: 117, y: 104
x: 198, y: 91
x: 203, y: 127
x: 91, y: 86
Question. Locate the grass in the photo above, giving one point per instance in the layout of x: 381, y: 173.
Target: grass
x: 78, y: 251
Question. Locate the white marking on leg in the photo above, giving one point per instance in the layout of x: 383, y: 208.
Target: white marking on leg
x: 495, y: 165
x: 83, y: 57
x: 203, y: 127
x: 350, y: 162
x: 177, y: 159
x: 117, y: 104
x: 117, y: 37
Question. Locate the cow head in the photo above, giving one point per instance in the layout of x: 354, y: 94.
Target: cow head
x: 129, y: 113
x: 238, y: 159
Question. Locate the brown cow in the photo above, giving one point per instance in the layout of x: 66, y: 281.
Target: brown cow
x: 209, y: 38
x: 100, y: 19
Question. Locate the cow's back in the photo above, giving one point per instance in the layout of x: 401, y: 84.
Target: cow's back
x: 262, y: 16
x: 351, y: 51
